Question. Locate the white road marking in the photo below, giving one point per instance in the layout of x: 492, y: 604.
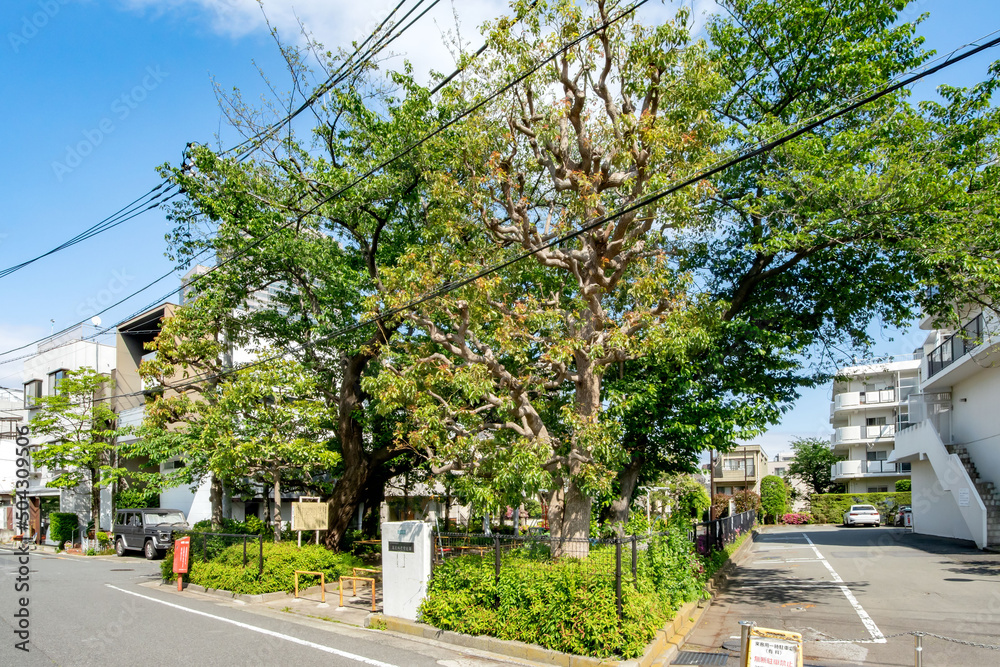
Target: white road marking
x: 876, y: 634
x: 263, y: 631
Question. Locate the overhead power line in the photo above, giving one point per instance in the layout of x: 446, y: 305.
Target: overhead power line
x: 745, y: 155
x: 144, y: 203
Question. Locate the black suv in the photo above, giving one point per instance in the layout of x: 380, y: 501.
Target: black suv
x: 149, y: 530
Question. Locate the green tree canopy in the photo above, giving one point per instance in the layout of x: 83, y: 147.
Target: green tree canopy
x: 812, y: 464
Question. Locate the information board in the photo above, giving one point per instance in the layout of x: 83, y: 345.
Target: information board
x: 182, y: 553
x: 774, y: 648
x: 310, y: 516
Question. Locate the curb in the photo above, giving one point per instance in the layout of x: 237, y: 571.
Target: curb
x: 229, y: 595
x: 659, y: 652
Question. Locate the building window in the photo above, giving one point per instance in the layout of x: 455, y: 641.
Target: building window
x: 173, y: 464
x: 877, y: 455
x: 878, y: 489
x: 875, y: 421
x: 32, y: 392
x: 55, y: 379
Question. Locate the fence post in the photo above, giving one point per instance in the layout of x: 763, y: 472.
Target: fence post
x: 204, y: 547
x: 635, y: 558
x: 618, y: 577
x: 496, y: 555
x: 918, y: 649
x: 244, y: 551
x: 744, y: 639
x: 260, y: 556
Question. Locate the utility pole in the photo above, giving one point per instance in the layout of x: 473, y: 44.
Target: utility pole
x: 711, y: 484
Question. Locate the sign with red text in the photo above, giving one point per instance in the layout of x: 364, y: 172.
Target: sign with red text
x: 182, y: 553
x: 774, y: 648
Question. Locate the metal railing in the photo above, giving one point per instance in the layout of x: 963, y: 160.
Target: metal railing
x: 720, y: 532
x: 956, y: 346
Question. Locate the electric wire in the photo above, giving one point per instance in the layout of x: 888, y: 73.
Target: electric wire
x: 743, y: 156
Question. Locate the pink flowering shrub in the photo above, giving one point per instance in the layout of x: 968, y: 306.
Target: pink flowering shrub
x: 796, y: 519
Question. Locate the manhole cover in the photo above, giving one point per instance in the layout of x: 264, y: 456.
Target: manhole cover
x: 122, y: 569
x: 958, y: 579
x: 694, y: 658
x: 732, y: 645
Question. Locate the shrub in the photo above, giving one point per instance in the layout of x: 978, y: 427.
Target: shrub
x: 225, y: 570
x: 830, y: 507
x: 136, y: 498
x: 796, y: 519
x: 903, y: 486
x: 720, y: 505
x: 773, y: 496
x: 746, y: 501
x: 567, y: 604
x: 64, y: 527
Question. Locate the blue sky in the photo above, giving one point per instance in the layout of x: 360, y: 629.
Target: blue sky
x: 130, y: 81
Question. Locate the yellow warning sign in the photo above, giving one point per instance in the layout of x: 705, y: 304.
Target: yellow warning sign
x: 773, y: 648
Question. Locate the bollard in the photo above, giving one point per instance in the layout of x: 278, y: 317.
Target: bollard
x: 745, y: 639
x: 918, y: 649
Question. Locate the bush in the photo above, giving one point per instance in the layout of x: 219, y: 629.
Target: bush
x: 136, y: 498
x: 567, y: 604
x: 830, y: 507
x: 720, y: 505
x: 64, y: 527
x: 225, y: 570
x: 773, y: 496
x: 103, y: 540
x: 797, y: 519
x: 746, y: 501
x: 903, y: 486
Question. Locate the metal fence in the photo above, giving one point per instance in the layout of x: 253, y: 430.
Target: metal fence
x: 207, y: 546
x: 614, y: 561
x: 720, y: 532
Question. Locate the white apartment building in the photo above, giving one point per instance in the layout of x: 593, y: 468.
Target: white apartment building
x: 12, y: 416
x: 870, y: 406
x: 84, y: 346
x: 954, y: 446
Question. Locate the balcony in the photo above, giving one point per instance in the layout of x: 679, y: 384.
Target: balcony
x: 727, y: 472
x: 858, y: 399
x: 849, y: 434
x: 956, y: 346
x: 851, y: 469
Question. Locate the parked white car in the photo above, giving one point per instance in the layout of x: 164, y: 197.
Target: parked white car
x: 860, y: 515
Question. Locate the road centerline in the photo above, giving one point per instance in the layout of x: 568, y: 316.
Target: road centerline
x: 263, y: 631
x: 876, y: 635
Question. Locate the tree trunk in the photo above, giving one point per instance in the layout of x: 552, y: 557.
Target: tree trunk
x: 627, y: 479
x: 347, y: 493
x: 569, y: 522
x: 277, y: 506
x: 95, y: 498
x: 569, y: 506
x: 215, y: 498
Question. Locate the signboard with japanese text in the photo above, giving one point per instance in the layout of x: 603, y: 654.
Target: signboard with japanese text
x: 310, y: 516
x: 773, y: 648
x: 182, y: 553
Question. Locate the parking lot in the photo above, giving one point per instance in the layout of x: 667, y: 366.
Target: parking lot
x: 851, y: 591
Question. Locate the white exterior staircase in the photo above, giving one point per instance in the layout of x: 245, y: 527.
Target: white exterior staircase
x: 988, y: 493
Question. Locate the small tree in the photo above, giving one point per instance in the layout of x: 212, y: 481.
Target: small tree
x: 720, y: 505
x: 79, y: 424
x: 813, y: 460
x: 773, y: 496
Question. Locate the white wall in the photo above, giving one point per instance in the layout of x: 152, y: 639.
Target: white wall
x: 196, y: 506
x: 935, y: 511
x: 975, y: 422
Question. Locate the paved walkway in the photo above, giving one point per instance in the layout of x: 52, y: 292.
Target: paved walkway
x: 849, y: 591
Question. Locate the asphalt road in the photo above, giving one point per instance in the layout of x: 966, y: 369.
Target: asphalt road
x: 97, y: 611
x: 848, y: 591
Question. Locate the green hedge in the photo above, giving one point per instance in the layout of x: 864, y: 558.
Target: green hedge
x: 830, y: 507
x: 566, y: 605
x: 225, y: 570
x: 65, y: 527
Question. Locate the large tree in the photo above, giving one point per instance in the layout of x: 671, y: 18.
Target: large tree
x: 796, y: 251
